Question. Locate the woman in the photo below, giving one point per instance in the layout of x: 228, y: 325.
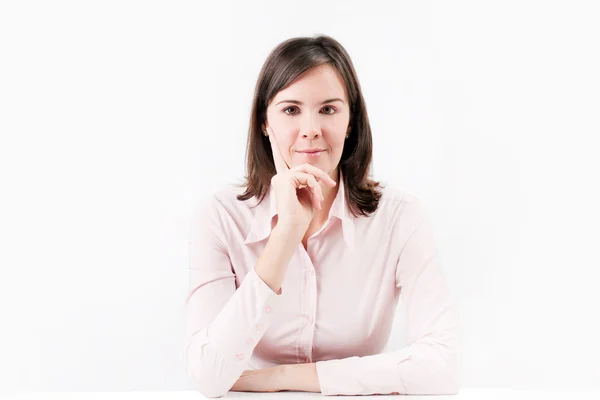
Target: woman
x: 295, y: 277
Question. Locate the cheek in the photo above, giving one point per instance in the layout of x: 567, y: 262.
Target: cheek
x: 286, y: 146
x: 276, y: 123
x: 338, y: 142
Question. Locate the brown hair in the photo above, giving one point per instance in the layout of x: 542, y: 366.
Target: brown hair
x: 285, y: 63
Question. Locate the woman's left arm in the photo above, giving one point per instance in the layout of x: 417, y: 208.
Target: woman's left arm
x: 430, y: 362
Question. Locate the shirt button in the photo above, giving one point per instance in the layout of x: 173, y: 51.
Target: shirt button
x: 240, y: 356
x: 310, y: 320
x: 259, y: 327
x: 268, y: 309
x: 249, y: 341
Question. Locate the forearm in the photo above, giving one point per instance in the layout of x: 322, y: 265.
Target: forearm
x: 300, y: 378
x: 272, y: 264
x: 287, y: 377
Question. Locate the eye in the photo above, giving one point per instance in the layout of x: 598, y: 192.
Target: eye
x: 288, y: 108
x: 333, y: 110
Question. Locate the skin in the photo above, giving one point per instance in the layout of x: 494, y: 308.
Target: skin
x: 306, y: 193
x: 312, y: 124
x: 287, y: 377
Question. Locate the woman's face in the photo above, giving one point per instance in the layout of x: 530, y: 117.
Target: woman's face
x: 312, y: 112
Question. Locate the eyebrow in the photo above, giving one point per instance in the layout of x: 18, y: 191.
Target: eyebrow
x: 300, y: 103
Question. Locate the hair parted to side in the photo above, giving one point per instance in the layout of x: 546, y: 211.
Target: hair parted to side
x: 285, y: 63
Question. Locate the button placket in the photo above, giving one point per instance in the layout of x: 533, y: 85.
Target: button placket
x: 310, y: 285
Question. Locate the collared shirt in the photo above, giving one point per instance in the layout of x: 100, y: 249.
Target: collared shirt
x: 336, y: 305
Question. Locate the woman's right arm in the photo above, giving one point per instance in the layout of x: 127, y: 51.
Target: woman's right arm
x: 223, y: 325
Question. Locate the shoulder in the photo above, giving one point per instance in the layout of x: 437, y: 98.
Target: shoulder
x: 396, y: 199
x: 401, y: 208
x: 227, y: 194
x: 223, y: 201
x: 404, y: 211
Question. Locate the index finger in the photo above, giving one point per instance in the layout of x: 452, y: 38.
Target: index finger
x: 280, y: 163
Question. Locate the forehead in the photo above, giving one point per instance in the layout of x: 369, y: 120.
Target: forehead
x: 317, y: 83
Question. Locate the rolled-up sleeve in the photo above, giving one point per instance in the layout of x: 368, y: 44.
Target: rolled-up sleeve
x: 430, y: 362
x: 220, y: 321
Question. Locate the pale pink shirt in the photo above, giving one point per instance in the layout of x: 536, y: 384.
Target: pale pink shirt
x: 336, y: 304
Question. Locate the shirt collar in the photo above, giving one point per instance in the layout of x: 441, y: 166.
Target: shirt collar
x: 263, y: 223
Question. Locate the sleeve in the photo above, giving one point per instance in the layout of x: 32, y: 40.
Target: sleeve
x: 429, y: 364
x: 222, y: 324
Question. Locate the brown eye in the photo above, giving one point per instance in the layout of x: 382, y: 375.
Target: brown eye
x: 329, y: 107
x: 288, y: 108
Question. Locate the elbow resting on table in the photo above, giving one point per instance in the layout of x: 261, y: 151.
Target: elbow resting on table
x: 448, y: 377
x: 434, y: 370
x: 209, y: 374
x: 449, y: 384
x: 206, y: 382
x: 435, y: 383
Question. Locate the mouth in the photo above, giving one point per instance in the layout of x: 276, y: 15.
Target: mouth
x: 311, y: 153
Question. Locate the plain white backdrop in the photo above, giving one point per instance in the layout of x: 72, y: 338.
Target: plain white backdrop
x: 117, y: 117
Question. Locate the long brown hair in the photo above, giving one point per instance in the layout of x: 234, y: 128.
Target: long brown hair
x: 285, y: 63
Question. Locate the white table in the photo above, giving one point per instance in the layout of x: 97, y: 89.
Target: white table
x: 474, y: 394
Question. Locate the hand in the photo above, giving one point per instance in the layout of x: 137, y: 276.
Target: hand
x: 259, y: 380
x: 297, y: 190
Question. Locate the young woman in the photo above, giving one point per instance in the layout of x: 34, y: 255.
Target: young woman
x: 296, y: 274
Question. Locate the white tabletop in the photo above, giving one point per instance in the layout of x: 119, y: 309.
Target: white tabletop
x: 475, y: 394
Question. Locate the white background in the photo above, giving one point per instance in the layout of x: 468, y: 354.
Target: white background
x: 117, y: 117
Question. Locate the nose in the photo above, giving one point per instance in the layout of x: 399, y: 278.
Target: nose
x: 310, y: 127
